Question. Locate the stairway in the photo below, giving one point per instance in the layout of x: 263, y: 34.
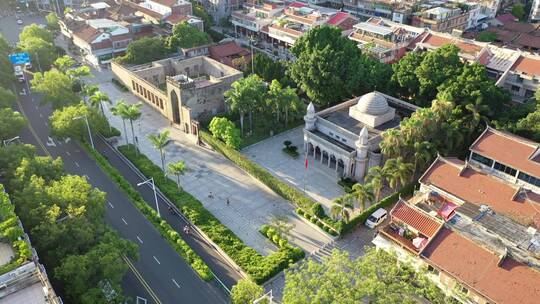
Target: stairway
x: 324, y: 251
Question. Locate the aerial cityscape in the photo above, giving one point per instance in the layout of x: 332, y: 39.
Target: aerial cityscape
x: 269, y: 151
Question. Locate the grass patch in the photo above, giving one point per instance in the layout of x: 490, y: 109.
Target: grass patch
x: 119, y: 85
x: 259, y: 267
x: 263, y: 128
x: 166, y: 231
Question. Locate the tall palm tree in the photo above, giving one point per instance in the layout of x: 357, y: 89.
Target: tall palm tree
x: 342, y: 208
x: 119, y: 111
x: 132, y: 113
x: 177, y: 169
x: 399, y: 172
x: 96, y: 100
x: 363, y: 193
x: 423, y: 154
x: 159, y: 142
x: 89, y: 90
x: 376, y: 177
x: 391, y: 142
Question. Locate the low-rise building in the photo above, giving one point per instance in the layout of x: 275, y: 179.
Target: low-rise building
x: 444, y: 19
x: 397, y: 11
x: 384, y: 40
x: 231, y: 54
x: 346, y: 137
x: 185, y: 91
x: 474, y: 224
x: 250, y: 20
x: 169, y: 12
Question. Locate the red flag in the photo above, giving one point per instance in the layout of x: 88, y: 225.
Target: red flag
x: 306, y: 164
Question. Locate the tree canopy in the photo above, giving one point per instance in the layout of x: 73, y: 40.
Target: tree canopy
x: 145, y: 50
x: 7, y: 98
x: 186, y: 36
x: 376, y: 277
x: 56, y: 87
x: 52, y: 21
x: 35, y: 31
x: 11, y: 123
x: 245, y: 292
x: 6, y: 71
x: 63, y: 122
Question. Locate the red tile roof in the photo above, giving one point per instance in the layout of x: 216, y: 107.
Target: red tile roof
x: 476, y: 267
x: 416, y: 219
x: 436, y: 41
x: 337, y: 18
x: 506, y: 18
x: 168, y: 3
x: 297, y: 4
x: 176, y: 18
x: 527, y: 65
x: 227, y: 49
x: 507, y: 148
x: 480, y: 189
x: 87, y: 33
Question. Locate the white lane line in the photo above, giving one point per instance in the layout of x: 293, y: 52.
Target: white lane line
x: 40, y: 115
x: 46, y: 124
x: 123, y: 220
x: 156, y: 260
x: 110, y: 205
x: 138, y: 238
x: 175, y: 283
x: 68, y: 154
x: 77, y: 164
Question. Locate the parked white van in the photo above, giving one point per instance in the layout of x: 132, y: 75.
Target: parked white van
x: 376, y: 218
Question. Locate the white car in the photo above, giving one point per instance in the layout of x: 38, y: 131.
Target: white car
x: 19, y: 21
x: 376, y: 218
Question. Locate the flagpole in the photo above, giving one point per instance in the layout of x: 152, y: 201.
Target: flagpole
x: 305, y: 170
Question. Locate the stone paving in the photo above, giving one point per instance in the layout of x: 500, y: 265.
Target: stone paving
x: 252, y: 204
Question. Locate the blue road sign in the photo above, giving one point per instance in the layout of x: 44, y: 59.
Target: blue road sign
x: 19, y: 58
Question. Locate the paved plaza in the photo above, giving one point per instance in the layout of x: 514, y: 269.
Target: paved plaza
x: 252, y: 204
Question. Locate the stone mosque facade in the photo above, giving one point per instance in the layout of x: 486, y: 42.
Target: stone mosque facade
x: 346, y: 137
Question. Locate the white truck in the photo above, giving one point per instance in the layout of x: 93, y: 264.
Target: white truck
x: 19, y: 73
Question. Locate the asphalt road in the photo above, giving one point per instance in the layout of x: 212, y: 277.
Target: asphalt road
x: 165, y: 276
x: 10, y: 29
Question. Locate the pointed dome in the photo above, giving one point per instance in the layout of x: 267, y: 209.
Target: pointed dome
x: 363, y: 138
x: 364, y: 133
x: 311, y: 108
x: 373, y: 103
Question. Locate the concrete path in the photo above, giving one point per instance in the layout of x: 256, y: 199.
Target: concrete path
x: 252, y: 204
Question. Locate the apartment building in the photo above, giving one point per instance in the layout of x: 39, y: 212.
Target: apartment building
x: 535, y: 11
x: 384, y: 40
x: 397, y: 11
x: 473, y: 224
x: 442, y: 19
x: 170, y: 12
x: 252, y: 18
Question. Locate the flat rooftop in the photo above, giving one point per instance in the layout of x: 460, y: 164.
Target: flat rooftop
x: 32, y: 294
x: 341, y: 118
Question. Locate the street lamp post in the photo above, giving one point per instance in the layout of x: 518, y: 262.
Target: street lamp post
x: 87, y: 127
x: 151, y: 180
x: 252, y: 40
x: 8, y: 141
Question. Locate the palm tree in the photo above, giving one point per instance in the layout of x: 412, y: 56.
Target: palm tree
x: 342, y: 208
x: 132, y: 113
x: 119, y: 111
x: 89, y: 90
x: 159, y: 142
x: 363, y: 193
x: 96, y: 100
x: 399, y: 172
x: 391, y: 142
x: 376, y: 177
x: 177, y: 169
x: 423, y: 154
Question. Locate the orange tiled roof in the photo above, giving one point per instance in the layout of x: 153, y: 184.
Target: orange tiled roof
x: 479, y: 188
x: 527, y: 66
x: 415, y: 219
x: 507, y: 148
x: 436, y: 41
x: 476, y: 267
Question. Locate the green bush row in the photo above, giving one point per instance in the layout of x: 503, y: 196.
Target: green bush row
x: 12, y: 232
x: 166, y: 231
x: 259, y: 267
x: 271, y: 234
x: 281, y: 188
x: 317, y: 221
x: 383, y: 203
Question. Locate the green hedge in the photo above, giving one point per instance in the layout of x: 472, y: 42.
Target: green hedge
x: 259, y: 267
x: 272, y: 235
x: 281, y: 188
x: 383, y: 203
x: 166, y: 231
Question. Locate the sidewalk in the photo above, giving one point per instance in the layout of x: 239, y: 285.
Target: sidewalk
x: 252, y: 204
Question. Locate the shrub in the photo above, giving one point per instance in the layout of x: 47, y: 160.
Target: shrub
x: 276, y: 238
x: 287, y: 143
x: 282, y: 243
x: 317, y: 210
x: 300, y: 211
x: 259, y: 267
x: 346, y: 183
x: 270, y: 232
x: 264, y: 229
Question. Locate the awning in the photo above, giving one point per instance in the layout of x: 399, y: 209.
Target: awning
x: 447, y: 210
x: 419, y: 242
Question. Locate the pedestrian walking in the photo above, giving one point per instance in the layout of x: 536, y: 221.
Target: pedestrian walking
x: 228, y: 202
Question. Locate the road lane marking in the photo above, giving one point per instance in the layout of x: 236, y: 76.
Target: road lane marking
x: 156, y: 260
x: 123, y: 220
x: 40, y: 143
x: 77, y: 164
x: 46, y: 124
x: 110, y: 205
x: 138, y: 238
x: 68, y: 154
x: 40, y: 115
x: 175, y: 283
x: 141, y: 279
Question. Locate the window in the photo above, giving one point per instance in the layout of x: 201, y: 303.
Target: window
x: 481, y: 159
x: 505, y: 169
x: 432, y: 270
x: 344, y: 140
x: 462, y: 288
x: 331, y: 133
x: 529, y: 179
x: 515, y: 88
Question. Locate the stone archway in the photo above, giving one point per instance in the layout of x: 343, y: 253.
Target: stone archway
x: 332, y: 163
x: 324, y: 157
x: 317, y: 152
x: 175, y: 107
x: 340, y: 167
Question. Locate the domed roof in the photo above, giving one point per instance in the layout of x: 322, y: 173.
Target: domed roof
x: 372, y: 103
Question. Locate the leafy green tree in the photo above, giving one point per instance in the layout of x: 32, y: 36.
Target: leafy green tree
x: 97, y: 99
x: 200, y: 12
x: 186, y: 36
x: 40, y: 50
x: 64, y: 123
x: 145, y: 50
x: 375, y: 277
x: 177, y: 169
x: 283, y: 100
x: 518, y: 10
x: 35, y: 31
x: 363, y: 193
x: 159, y: 142
x: 52, y: 22
x: 404, y: 74
x: 42, y: 166
x: 88, y: 90
x: 328, y: 66
x: 7, y: 98
x: 225, y: 130
x: 6, y: 71
x: 56, y: 87
x: 245, y: 96
x: 11, y: 123
x: 398, y: 172
x: 342, y: 208
x: 12, y: 155
x: 376, y: 177
x: 64, y: 63
x: 245, y: 292
x: 269, y: 69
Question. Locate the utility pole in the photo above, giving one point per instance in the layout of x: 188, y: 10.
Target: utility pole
x: 151, y: 180
x: 87, y: 127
